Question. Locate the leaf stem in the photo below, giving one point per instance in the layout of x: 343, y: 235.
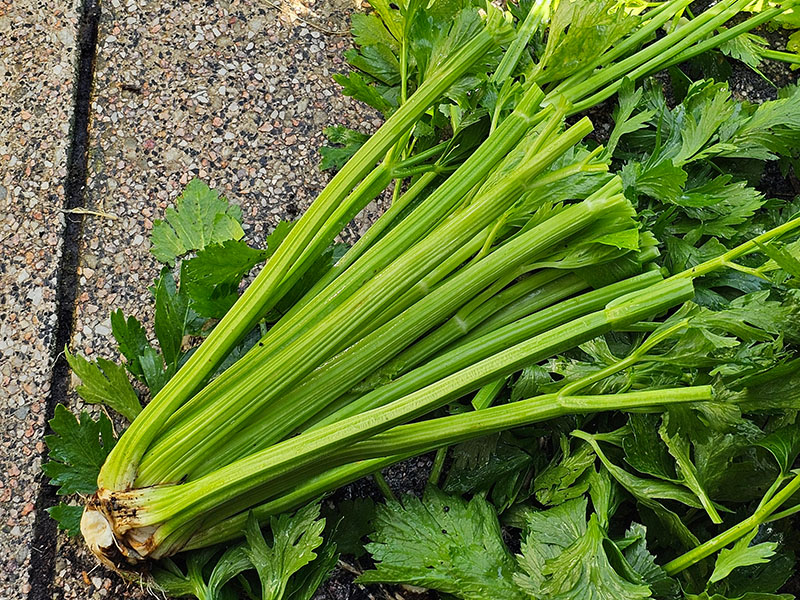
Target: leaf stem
x: 443, y: 432
x: 486, y: 396
x: 739, y: 251
x: 729, y: 536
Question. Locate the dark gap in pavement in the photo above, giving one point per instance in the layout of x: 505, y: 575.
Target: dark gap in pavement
x: 43, y: 554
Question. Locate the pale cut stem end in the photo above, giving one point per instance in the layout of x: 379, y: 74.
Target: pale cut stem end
x: 125, y: 553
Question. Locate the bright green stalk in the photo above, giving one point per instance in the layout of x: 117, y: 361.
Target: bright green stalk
x: 313, y: 488
x: 424, y: 286
x: 238, y: 486
x: 333, y: 378
x: 444, y: 431
x: 336, y: 375
x: 520, y: 308
x: 486, y: 396
x: 717, y: 40
x: 376, y: 230
x: 539, y: 13
x: 651, y: 58
x: 726, y: 259
x: 493, y: 342
x: 119, y: 470
x: 787, y: 57
x: 231, y: 400
x: 535, y: 292
x: 399, y: 239
x: 784, y: 514
x: 739, y: 530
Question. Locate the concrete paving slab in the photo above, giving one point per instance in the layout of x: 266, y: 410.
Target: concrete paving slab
x: 236, y: 93
x: 37, y: 69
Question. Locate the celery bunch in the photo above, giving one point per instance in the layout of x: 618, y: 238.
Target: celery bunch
x: 506, y: 244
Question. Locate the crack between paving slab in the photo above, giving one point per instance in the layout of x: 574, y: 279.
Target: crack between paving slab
x: 43, y: 549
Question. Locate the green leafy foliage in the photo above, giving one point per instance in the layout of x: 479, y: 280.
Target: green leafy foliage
x: 564, y: 557
x: 784, y: 445
x: 580, y: 32
x: 68, y: 518
x: 444, y: 543
x: 131, y: 339
x: 742, y: 554
x: 197, y: 581
x: 77, y: 449
x: 345, y: 142
x: 683, y: 165
x: 211, y: 279
x: 105, y: 382
x: 294, y: 540
x: 172, y: 317
x: 200, y: 217
x: 645, y: 564
x: 480, y: 464
x: 397, y: 49
x: 566, y: 477
x: 289, y: 567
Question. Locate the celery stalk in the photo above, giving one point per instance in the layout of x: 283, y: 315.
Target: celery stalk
x: 120, y: 469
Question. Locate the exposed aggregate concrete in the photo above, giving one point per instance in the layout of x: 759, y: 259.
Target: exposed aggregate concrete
x: 37, y: 58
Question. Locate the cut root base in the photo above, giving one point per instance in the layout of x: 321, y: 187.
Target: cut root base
x: 109, y: 548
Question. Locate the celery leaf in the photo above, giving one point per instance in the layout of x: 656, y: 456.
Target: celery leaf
x: 564, y: 557
x: 644, y: 449
x: 172, y: 317
x: 68, y: 518
x: 200, y: 217
x: 78, y: 448
x: 198, y: 581
x: 294, y: 540
x: 644, y: 563
x: 444, y: 543
x: 131, y: 339
x: 344, y: 143
x: 305, y: 583
x: 105, y: 382
x: 211, y: 279
x: 784, y: 445
x: 566, y: 477
x: 742, y: 554
x: 357, y: 86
